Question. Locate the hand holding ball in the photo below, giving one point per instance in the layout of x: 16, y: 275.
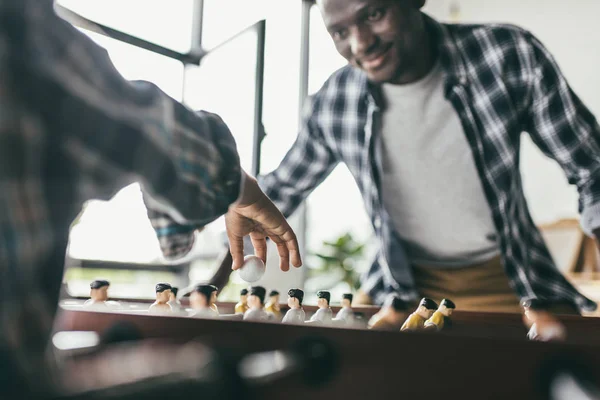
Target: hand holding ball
x: 253, y: 269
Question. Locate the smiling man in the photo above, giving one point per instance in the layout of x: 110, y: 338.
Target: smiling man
x: 428, y: 119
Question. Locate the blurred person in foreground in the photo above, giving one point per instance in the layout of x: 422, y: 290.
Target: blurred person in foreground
x: 72, y: 129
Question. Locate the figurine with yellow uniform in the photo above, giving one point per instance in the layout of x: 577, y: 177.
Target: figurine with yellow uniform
x: 416, y: 320
x: 441, y: 318
x: 242, y: 306
x: 391, y: 315
x: 272, y: 305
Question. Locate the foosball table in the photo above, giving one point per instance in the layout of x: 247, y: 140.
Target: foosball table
x: 484, y: 355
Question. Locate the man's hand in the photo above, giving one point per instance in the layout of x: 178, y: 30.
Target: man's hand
x: 255, y: 214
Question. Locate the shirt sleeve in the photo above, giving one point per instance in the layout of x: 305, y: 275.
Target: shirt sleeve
x: 565, y: 130
x: 304, y: 167
x: 309, y: 161
x: 117, y: 132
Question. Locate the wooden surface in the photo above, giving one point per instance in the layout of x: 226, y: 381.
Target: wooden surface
x: 382, y: 364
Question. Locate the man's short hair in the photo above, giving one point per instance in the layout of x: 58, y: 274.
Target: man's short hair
x: 161, y: 287
x: 273, y: 293
x: 428, y: 303
x: 448, y: 303
x: 174, y: 290
x: 297, y: 294
x: 97, y: 284
x: 324, y: 294
x: 206, y: 290
x: 244, y: 292
x: 348, y: 296
x: 259, y: 292
x: 535, y: 304
x: 396, y: 303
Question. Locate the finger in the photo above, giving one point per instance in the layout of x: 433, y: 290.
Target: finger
x: 260, y: 245
x: 291, y: 243
x: 236, y: 248
x: 284, y: 255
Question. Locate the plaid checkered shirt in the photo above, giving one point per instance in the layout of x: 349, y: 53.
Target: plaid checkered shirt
x: 72, y: 129
x: 502, y: 82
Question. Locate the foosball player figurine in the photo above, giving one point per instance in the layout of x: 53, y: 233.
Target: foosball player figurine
x: 272, y: 305
x: 324, y: 314
x: 98, y: 294
x: 543, y: 326
x: 242, y: 306
x: 256, y: 304
x: 441, y: 318
x: 391, y: 316
x: 295, y: 314
x: 201, y: 299
x: 161, y: 305
x: 416, y: 320
x: 346, y: 314
x: 173, y: 301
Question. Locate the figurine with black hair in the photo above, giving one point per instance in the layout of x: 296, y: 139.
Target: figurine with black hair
x: 324, y: 314
x: 174, y: 301
x: 242, y: 306
x: 295, y: 315
x: 256, y: 305
x: 161, y: 305
x: 424, y: 311
x: 543, y: 326
x: 441, y: 317
x: 391, y: 316
x: 272, y: 305
x: 201, y: 300
x: 98, y: 294
x: 346, y: 314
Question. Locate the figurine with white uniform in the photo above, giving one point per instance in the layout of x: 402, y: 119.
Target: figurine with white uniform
x: 416, y: 320
x: 346, y: 314
x: 161, y: 305
x: 201, y: 300
x: 256, y: 304
x: 391, y: 315
x: 272, y: 305
x: 543, y: 326
x: 324, y: 313
x: 295, y: 314
x: 99, y: 296
x: 173, y: 301
x: 242, y: 306
x: 441, y: 318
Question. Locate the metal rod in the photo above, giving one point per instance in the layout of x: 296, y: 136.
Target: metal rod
x: 84, y: 23
x: 259, y: 132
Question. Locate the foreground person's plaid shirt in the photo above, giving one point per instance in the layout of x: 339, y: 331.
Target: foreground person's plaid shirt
x: 71, y: 129
x: 501, y: 81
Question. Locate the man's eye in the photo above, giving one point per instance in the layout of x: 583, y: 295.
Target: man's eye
x: 340, y: 34
x: 375, y: 15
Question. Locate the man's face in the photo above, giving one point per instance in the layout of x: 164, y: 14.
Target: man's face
x: 345, y: 303
x: 198, y: 301
x: 99, y: 294
x: 163, y: 297
x: 243, y: 298
x: 293, y: 302
x: 213, y: 297
x: 446, y: 311
x: 424, y: 312
x: 172, y: 296
x: 322, y: 303
x: 254, y: 301
x: 381, y: 37
x: 274, y: 299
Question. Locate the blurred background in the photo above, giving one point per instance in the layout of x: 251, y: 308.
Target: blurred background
x: 336, y: 236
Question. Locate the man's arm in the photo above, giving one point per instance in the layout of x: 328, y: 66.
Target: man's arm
x: 565, y: 130
x: 117, y: 132
x: 305, y: 166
